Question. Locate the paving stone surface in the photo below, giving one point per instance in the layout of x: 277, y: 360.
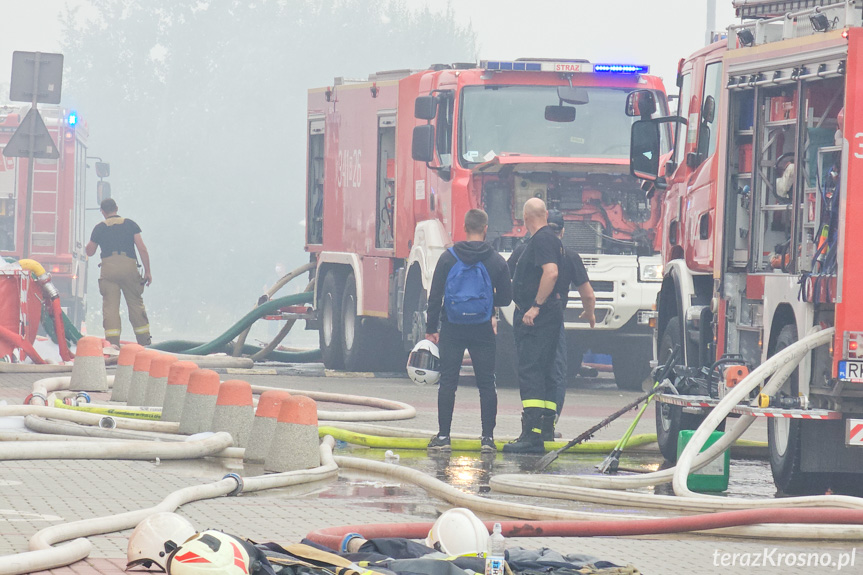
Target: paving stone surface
x: 37, y: 494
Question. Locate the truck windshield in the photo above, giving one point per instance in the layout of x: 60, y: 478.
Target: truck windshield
x: 498, y: 120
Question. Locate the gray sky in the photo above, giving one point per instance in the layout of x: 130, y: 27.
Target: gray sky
x: 654, y: 32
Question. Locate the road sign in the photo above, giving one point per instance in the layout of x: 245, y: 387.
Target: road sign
x: 38, y: 70
x: 31, y: 137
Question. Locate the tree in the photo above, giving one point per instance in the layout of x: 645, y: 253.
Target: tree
x: 201, y: 111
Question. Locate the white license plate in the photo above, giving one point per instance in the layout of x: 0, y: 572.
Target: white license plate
x: 851, y: 370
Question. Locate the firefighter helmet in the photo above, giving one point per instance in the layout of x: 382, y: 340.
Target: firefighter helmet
x: 155, y: 537
x: 458, y: 532
x: 213, y: 552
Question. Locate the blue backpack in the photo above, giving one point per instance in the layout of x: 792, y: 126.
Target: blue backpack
x: 469, y: 296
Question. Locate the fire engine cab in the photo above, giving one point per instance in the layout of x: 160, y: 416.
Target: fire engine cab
x: 395, y: 161
x: 761, y: 232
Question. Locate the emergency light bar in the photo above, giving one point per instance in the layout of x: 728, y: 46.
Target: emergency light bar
x: 72, y: 119
x: 537, y: 66
x: 562, y: 66
x: 621, y: 68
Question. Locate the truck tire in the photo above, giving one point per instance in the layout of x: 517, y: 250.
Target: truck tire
x: 784, y: 439
x: 506, y: 358
x: 415, y: 307
x: 631, y: 366
x: 670, y: 419
x: 362, y: 346
x: 330, y: 314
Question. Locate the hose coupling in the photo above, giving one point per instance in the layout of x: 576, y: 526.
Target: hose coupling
x: 347, y: 539
x: 107, y: 422
x: 82, y: 397
x: 49, y: 289
x: 239, y: 488
x: 36, y: 396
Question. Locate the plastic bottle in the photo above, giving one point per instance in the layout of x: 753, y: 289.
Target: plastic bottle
x: 495, y: 557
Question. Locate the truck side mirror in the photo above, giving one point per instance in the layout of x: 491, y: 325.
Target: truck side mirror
x: 640, y: 103
x: 560, y: 113
x: 103, y: 191
x: 103, y: 169
x: 708, y: 110
x: 422, y: 144
x: 425, y: 108
x: 644, y: 150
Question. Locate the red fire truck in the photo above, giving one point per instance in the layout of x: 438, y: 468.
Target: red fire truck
x: 395, y: 161
x: 57, y: 234
x: 759, y: 227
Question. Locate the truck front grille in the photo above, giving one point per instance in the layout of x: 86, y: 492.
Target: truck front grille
x: 583, y: 237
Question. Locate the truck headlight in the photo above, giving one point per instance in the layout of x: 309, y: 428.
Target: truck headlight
x: 650, y: 273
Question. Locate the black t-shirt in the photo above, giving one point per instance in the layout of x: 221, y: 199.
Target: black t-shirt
x: 543, y: 248
x: 116, y: 235
x: 576, y: 273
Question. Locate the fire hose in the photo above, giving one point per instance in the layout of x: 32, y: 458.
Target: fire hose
x: 43, y: 278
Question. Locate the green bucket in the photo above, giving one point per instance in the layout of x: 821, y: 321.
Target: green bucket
x: 714, y: 476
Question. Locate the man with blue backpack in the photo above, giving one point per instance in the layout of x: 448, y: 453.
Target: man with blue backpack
x: 471, y: 280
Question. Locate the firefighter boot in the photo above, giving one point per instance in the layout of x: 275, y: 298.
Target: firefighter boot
x: 530, y: 440
x: 546, y: 424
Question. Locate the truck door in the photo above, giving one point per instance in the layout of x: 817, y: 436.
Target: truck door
x: 700, y: 205
x: 672, y: 212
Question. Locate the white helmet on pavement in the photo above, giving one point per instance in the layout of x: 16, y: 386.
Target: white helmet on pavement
x: 424, y: 363
x: 458, y: 532
x: 155, y: 537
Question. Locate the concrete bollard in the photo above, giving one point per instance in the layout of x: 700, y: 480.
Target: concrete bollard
x: 140, y: 375
x: 200, y: 401
x: 154, y: 394
x: 88, y: 369
x: 295, y: 441
x: 235, y: 411
x: 123, y: 374
x: 264, y: 425
x: 175, y: 390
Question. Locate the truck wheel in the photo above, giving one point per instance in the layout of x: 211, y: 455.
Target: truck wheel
x: 784, y: 439
x: 416, y: 303
x: 330, y: 314
x: 506, y: 359
x: 631, y: 367
x: 670, y: 419
x: 356, y: 331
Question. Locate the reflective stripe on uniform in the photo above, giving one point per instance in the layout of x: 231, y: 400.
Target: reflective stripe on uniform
x: 551, y: 405
x: 540, y: 403
x: 111, y: 332
x: 140, y: 330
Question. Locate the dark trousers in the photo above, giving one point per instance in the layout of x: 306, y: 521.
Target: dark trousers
x: 537, y: 347
x: 479, y: 341
x: 560, y: 370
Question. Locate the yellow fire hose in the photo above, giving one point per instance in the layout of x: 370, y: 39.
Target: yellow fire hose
x: 153, y: 414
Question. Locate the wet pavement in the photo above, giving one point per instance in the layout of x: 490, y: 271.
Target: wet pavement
x: 36, y: 494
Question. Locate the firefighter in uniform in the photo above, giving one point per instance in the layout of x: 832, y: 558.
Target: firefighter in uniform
x: 538, y: 291
x: 118, y: 237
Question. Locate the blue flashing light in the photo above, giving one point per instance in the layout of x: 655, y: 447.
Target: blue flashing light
x: 72, y: 119
x: 621, y: 68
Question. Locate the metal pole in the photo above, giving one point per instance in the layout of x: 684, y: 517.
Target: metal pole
x: 28, y: 200
x: 711, y: 21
